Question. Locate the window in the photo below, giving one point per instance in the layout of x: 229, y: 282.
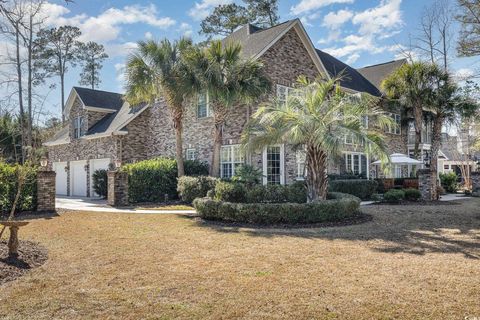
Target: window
x: 282, y: 93
x: 396, y: 129
x: 191, y: 154
x: 301, y: 159
x: 231, y: 157
x: 77, y: 127
x: 203, y: 106
x: 273, y: 161
x: 356, y: 163
x: 349, y: 139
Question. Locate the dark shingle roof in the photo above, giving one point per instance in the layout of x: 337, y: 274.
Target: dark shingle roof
x: 254, y: 39
x: 377, y: 73
x: 100, y: 99
x: 351, y: 78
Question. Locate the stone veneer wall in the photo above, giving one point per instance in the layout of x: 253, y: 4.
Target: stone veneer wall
x: 117, y: 188
x: 424, y: 183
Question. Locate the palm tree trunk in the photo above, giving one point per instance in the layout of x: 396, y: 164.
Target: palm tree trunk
x: 317, y: 179
x: 178, y: 125
x: 418, y: 115
x: 220, y: 115
x: 436, y: 140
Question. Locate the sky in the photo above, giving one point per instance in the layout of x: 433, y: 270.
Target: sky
x: 358, y: 32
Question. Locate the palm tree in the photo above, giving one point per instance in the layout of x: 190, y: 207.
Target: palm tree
x: 157, y: 70
x: 229, y: 81
x: 317, y: 116
x: 411, y: 85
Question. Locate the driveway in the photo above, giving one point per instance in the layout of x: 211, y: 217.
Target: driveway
x: 100, y: 205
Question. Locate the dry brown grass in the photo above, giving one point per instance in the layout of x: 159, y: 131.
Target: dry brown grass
x: 408, y: 263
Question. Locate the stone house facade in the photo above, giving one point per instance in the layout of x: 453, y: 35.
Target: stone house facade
x: 111, y: 130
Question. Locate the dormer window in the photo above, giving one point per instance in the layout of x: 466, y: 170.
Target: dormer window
x: 77, y: 127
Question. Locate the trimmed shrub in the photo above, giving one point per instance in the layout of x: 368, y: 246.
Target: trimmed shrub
x: 412, y: 194
x: 100, y: 182
x: 150, y: 180
x: 190, y: 188
x: 195, y: 168
x: 346, y: 176
x: 394, y: 195
x: 9, y: 186
x: 230, y: 192
x: 449, y: 181
x: 248, y: 174
x: 275, y: 213
x: 361, y: 188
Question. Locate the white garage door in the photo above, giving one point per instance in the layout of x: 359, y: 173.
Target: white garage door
x: 97, y: 164
x: 60, y: 178
x: 78, y: 178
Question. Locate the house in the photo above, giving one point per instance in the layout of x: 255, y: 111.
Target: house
x: 102, y: 128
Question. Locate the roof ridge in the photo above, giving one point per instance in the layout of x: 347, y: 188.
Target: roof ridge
x: 383, y: 63
x: 96, y: 90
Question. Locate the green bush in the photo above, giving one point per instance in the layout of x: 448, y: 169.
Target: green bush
x: 248, y: 174
x: 230, y: 191
x: 190, y: 188
x: 412, y: 194
x: 195, y: 168
x: 449, y: 182
x: 151, y: 180
x: 394, y: 195
x: 239, y: 192
x: 361, y: 188
x: 275, y: 213
x: 9, y: 186
x: 100, y: 183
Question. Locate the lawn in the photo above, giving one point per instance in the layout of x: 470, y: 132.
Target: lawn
x: 409, y: 262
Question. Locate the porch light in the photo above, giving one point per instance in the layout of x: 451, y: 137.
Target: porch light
x: 43, y: 162
x: 118, y: 163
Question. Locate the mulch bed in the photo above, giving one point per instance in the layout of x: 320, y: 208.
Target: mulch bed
x: 353, y: 220
x: 31, y: 255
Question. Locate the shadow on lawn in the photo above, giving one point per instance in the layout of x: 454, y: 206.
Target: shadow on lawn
x: 418, y: 230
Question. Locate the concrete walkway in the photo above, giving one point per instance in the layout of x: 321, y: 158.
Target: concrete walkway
x: 100, y: 205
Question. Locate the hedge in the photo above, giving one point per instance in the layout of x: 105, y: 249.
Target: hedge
x: 151, y: 180
x: 362, y: 188
x: 394, y: 195
x: 449, y: 181
x: 9, y: 185
x: 190, y: 188
x: 278, y: 213
x: 238, y: 192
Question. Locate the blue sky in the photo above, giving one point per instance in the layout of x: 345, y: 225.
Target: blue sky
x: 359, y: 32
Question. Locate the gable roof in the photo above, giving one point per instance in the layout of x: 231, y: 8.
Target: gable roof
x: 350, y: 78
x: 100, y: 99
x: 378, y: 72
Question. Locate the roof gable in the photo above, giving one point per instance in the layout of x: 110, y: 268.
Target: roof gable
x: 95, y: 100
x: 378, y: 72
x: 350, y: 78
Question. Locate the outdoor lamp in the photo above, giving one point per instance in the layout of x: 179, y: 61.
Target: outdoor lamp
x: 118, y: 163
x: 43, y: 162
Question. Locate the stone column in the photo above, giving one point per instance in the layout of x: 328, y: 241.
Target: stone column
x: 117, y: 188
x: 46, y: 190
x: 475, y: 176
x: 424, y: 183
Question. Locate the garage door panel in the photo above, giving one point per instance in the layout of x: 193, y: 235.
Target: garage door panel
x: 78, y: 178
x: 60, y: 178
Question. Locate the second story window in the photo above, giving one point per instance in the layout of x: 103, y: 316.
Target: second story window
x: 282, y: 93
x: 203, y: 106
x: 78, y: 127
x: 396, y: 128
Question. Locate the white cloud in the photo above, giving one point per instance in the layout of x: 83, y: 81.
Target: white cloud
x: 107, y: 26
x: 334, y: 20
x: 120, y: 49
x: 463, y: 74
x: 202, y: 9
x: 148, y: 35
x: 380, y: 19
x: 309, y: 5
x: 374, y: 24
x: 185, y: 29
x: 333, y: 35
